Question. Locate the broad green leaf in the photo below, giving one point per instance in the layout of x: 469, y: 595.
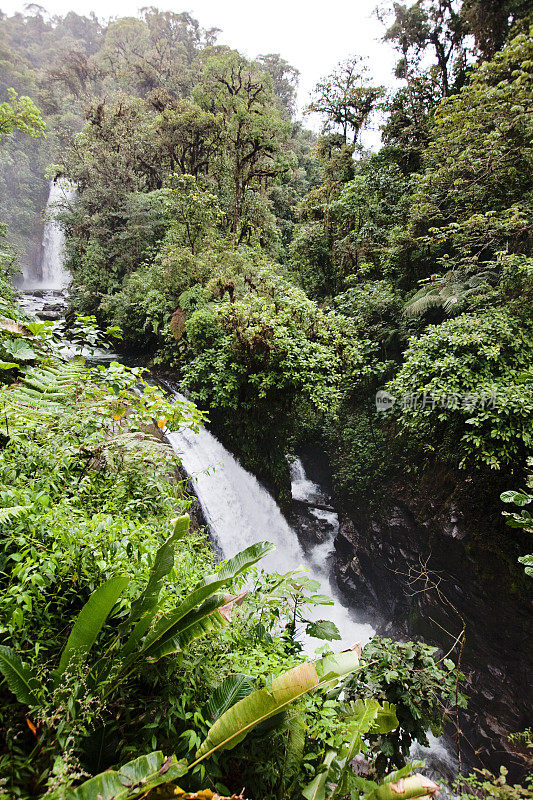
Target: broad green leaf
x: 195, y: 624
x: 163, y: 563
x: 366, y: 715
x: 233, y: 726
x: 386, y: 720
x: 19, y: 677
x: 18, y: 349
x: 518, y: 498
x: 323, y: 629
x: 38, y: 327
x: 316, y: 790
x: 406, y: 788
x: 207, y: 587
x: 362, y: 718
x: 322, y: 600
x: 90, y: 621
x: 135, y: 778
x: 332, y: 667
x: 232, y: 689
x: 8, y: 365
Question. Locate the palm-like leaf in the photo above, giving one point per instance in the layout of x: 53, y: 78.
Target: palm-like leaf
x: 169, y: 626
x: 448, y: 292
x: 19, y: 677
x: 231, y: 690
x: 163, y: 563
x: 195, y: 624
x: 90, y: 621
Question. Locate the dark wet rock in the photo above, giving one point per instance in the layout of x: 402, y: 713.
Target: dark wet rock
x: 51, y: 312
x: 420, y: 574
x: 310, y: 528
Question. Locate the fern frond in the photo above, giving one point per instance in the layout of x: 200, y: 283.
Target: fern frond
x: 422, y: 302
x: 448, y: 292
x: 13, y: 512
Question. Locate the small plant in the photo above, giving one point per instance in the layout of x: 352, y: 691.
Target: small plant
x: 521, y: 519
x: 487, y: 786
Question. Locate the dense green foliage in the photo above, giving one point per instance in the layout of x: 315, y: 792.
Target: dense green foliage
x: 214, y: 206
x: 284, y: 279
x: 400, y: 672
x: 86, y: 497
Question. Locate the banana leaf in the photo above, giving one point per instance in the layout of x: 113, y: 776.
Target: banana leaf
x: 233, y: 726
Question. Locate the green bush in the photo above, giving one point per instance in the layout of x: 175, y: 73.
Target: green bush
x: 462, y: 394
x: 422, y: 688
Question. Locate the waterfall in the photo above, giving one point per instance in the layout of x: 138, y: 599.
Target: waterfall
x: 53, y: 275
x: 239, y: 512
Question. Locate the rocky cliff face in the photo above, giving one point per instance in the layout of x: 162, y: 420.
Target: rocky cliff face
x: 423, y: 572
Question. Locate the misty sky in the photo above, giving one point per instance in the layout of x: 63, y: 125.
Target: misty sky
x: 313, y: 37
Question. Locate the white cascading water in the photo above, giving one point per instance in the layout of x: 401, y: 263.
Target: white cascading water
x: 54, y: 276
x: 239, y: 512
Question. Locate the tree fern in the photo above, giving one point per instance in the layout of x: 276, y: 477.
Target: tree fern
x: 448, y: 292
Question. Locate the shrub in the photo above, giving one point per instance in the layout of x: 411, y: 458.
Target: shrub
x: 461, y: 390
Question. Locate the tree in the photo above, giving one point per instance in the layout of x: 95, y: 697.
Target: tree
x: 284, y: 78
x: 158, y: 50
x: 490, y: 22
x: 429, y: 24
x: 20, y: 113
x: 186, y: 136
x: 346, y: 99
x: 253, y: 132
x: 408, y: 125
x: 251, y: 359
x: 195, y: 211
x: 476, y: 191
x: 422, y: 691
